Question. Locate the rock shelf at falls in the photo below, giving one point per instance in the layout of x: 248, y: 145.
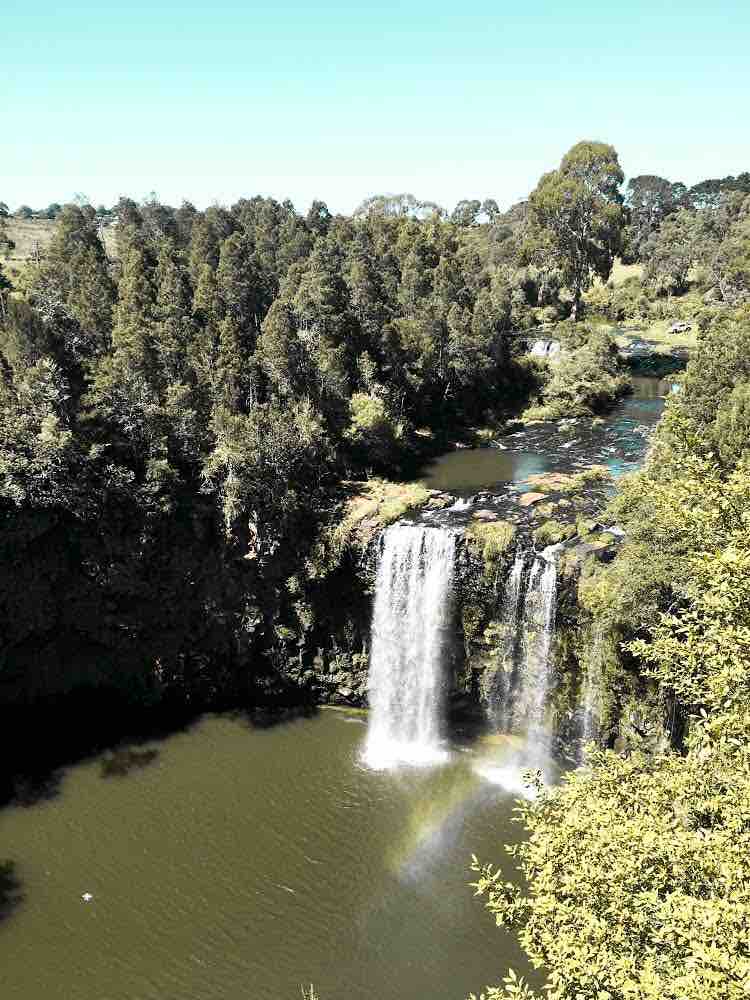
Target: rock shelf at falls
x: 516, y: 644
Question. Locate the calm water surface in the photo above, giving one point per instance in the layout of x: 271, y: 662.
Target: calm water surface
x: 243, y: 862
x: 620, y: 442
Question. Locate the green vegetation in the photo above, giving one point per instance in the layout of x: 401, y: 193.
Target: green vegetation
x: 587, y: 379
x: 561, y: 482
x: 490, y: 541
x: 368, y: 508
x: 636, y: 867
x: 576, y: 218
x: 190, y: 419
x: 178, y: 418
x: 552, y: 532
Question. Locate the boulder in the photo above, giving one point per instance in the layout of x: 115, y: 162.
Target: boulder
x: 529, y: 499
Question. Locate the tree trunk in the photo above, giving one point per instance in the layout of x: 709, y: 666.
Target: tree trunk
x: 576, y: 304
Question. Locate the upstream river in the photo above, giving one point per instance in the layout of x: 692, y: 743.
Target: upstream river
x: 242, y: 862
x: 239, y: 862
x: 618, y: 441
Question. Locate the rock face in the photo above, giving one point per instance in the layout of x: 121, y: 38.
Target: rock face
x: 529, y: 499
x: 324, y: 651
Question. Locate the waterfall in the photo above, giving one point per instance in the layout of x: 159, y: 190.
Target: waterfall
x: 410, y: 626
x: 519, y: 700
x: 520, y: 696
x: 537, y: 630
x: 499, y: 699
x: 545, y: 348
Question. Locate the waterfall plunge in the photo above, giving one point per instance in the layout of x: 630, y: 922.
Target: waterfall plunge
x: 520, y: 692
x: 410, y: 620
x: 519, y: 699
x: 529, y: 704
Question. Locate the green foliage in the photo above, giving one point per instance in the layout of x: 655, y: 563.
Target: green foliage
x: 637, y: 875
x: 576, y: 217
x: 72, y: 289
x: 373, y: 432
x: 587, y: 379
x: 552, y: 532
x: 649, y: 200
x: 705, y: 417
x: 265, y: 468
x: 636, y: 866
x: 491, y: 541
x: 36, y: 444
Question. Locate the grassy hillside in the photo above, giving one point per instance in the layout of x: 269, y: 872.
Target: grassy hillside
x: 31, y: 237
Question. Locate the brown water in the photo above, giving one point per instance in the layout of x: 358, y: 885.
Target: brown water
x: 619, y: 442
x: 240, y: 862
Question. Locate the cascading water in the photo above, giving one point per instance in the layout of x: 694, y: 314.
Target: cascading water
x: 529, y: 701
x: 499, y: 699
x: 545, y: 348
x: 519, y: 697
x: 410, y: 628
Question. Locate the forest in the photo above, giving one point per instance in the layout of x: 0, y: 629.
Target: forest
x: 186, y: 398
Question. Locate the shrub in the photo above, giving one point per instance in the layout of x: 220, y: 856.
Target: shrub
x: 373, y: 434
x: 490, y: 541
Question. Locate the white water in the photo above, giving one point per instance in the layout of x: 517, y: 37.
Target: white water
x: 520, y: 697
x: 511, y: 613
x: 545, y: 348
x: 410, y: 626
x: 534, y: 670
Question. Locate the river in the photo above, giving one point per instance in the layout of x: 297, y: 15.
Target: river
x: 618, y: 441
x: 240, y: 862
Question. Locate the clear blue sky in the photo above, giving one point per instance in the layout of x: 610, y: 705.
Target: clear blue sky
x: 337, y: 100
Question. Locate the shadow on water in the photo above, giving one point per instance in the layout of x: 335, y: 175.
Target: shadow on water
x: 31, y: 789
x: 120, y: 762
x: 11, y: 895
x: 268, y: 718
x: 40, y: 740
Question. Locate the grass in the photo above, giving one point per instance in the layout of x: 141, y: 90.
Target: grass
x: 369, y: 507
x: 552, y: 532
x: 562, y: 482
x: 656, y: 334
x: 32, y: 237
x: 490, y: 541
x: 621, y: 272
x: 382, y: 502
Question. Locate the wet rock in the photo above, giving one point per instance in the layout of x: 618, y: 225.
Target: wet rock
x: 486, y: 515
x: 529, y: 499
